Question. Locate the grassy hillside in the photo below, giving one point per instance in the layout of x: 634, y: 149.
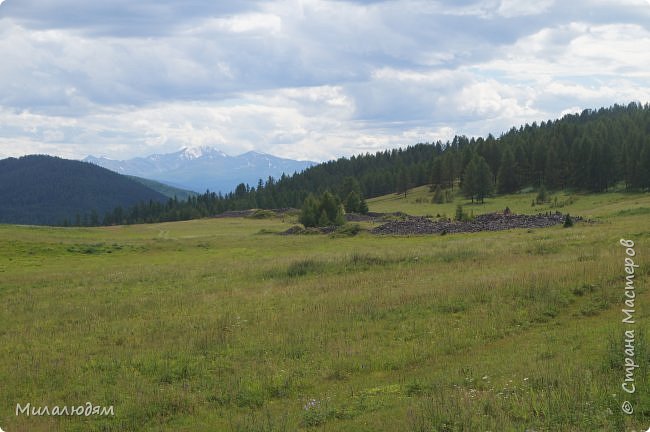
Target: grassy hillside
x: 217, y: 324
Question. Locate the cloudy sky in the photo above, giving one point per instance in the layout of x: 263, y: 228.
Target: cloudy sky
x: 306, y: 79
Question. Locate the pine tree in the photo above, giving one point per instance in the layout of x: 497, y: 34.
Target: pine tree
x: 309, y: 215
x: 507, y: 177
x: 436, y: 172
x: 552, y: 170
x: 477, y: 179
x: 469, y: 183
x: 568, y: 222
x: 485, y: 178
x: 350, y: 184
x: 323, y: 220
x: 363, y: 206
x: 352, y: 203
x: 402, y: 181
x: 644, y: 166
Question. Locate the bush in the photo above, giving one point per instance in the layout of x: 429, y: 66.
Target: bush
x: 568, y: 222
x: 348, y: 230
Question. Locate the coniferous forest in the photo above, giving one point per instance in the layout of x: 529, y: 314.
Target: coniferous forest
x: 590, y: 151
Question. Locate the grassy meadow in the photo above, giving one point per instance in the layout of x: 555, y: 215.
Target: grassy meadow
x: 221, y: 325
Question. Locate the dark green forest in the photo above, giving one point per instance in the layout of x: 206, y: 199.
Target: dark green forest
x: 47, y: 190
x: 591, y: 151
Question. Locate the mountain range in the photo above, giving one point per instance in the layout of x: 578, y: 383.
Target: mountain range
x: 202, y: 168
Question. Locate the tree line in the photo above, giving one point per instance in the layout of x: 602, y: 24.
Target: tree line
x: 589, y: 151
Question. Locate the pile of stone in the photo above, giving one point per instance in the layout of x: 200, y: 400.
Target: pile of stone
x: 486, y: 222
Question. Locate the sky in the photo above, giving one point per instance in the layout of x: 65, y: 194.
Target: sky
x: 305, y: 79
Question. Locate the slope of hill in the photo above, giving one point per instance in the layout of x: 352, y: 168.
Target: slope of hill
x: 46, y: 190
x: 165, y: 189
x: 204, y: 168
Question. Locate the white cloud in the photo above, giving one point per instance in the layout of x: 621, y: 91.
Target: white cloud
x: 312, y: 79
x: 515, y: 8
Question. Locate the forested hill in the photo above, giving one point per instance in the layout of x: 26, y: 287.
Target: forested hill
x: 590, y: 151
x: 47, y: 190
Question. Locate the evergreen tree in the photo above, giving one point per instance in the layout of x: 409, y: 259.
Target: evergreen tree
x: 507, y: 181
x: 332, y: 207
x: 485, y: 178
x: 309, y: 214
x: 477, y: 179
x: 352, y: 203
x: 402, y: 181
x: 522, y: 166
x: 568, y: 222
x: 552, y: 170
x: 469, y: 181
x: 363, y: 206
x: 447, y: 170
x: 436, y: 172
x: 323, y: 220
x: 644, y: 167
x: 349, y: 185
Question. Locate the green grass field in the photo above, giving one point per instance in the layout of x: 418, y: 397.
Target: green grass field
x: 220, y: 325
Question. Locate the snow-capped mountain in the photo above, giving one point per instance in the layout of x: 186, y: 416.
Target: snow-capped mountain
x: 202, y: 168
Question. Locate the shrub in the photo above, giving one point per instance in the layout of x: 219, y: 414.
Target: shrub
x: 348, y: 230
x: 568, y: 222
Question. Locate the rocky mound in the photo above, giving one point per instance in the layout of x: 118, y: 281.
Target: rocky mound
x: 486, y: 222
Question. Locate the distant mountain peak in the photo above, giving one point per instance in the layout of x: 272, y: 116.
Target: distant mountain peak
x: 203, y: 167
x: 189, y: 153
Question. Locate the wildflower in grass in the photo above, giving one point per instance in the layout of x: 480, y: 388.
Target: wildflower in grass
x: 311, y: 404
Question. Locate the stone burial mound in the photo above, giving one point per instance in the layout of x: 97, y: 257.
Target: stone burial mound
x: 487, y: 222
